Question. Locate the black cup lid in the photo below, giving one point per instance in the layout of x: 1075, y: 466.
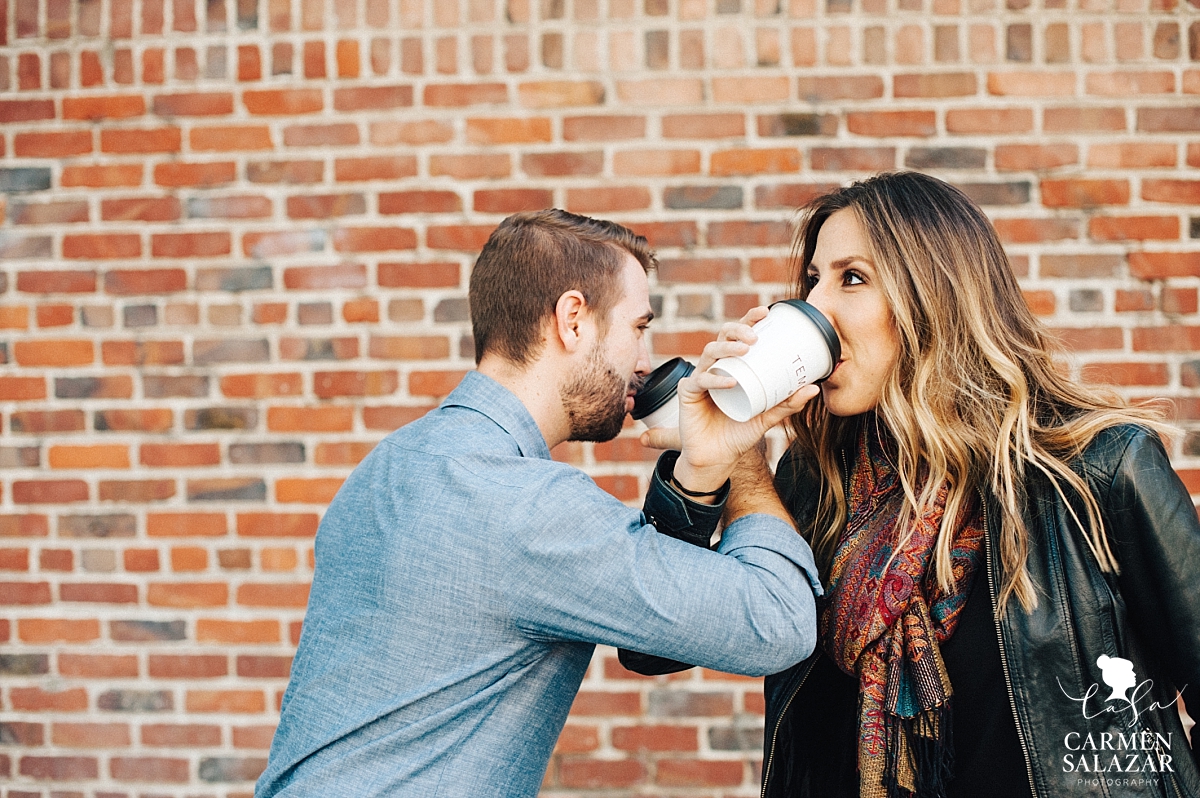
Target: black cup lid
x: 659, y: 387
x: 818, y: 318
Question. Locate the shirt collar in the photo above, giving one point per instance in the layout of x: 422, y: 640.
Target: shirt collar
x: 484, y: 395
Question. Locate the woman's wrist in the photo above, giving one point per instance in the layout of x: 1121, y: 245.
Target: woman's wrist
x: 702, y: 480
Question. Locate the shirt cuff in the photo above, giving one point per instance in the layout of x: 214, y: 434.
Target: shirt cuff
x: 674, y: 514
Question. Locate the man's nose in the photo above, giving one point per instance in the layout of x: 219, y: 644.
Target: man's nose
x: 643, y: 364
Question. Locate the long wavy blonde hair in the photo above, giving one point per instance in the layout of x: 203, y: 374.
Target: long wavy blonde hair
x: 976, y: 398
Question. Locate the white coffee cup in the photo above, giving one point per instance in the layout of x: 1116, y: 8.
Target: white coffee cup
x: 657, y: 402
x: 796, y: 346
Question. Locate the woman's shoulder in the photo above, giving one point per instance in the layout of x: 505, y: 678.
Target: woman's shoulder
x: 1113, y: 445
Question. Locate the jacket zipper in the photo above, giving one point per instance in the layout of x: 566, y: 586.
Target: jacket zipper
x: 1012, y: 699
x: 804, y: 678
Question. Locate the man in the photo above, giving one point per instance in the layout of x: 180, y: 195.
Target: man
x: 463, y: 577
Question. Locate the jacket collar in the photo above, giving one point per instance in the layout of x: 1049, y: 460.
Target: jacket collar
x: 484, y: 395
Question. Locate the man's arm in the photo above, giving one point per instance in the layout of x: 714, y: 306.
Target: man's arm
x: 751, y: 491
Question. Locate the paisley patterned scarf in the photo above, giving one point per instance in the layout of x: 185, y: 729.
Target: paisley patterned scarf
x: 884, y: 626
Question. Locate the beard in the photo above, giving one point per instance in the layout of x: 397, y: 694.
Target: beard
x: 595, y: 400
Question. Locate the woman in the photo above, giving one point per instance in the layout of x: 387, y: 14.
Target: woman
x: 987, y: 529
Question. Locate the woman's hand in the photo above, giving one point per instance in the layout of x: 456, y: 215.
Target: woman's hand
x: 711, y: 443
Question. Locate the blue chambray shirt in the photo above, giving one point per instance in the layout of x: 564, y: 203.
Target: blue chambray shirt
x: 462, y: 580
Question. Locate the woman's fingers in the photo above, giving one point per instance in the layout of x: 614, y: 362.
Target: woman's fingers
x: 755, y: 315
x: 715, y: 350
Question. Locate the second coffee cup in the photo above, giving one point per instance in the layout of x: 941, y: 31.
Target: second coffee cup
x: 656, y: 403
x: 796, y: 346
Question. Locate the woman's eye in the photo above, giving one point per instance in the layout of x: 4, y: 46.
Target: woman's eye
x: 852, y: 277
x: 811, y: 280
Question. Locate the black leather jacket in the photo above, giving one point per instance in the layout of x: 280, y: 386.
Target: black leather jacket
x: 1149, y: 614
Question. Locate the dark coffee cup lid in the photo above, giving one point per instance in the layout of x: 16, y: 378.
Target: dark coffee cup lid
x: 659, y: 387
x: 818, y: 318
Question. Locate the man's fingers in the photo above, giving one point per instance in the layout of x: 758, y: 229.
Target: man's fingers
x: 661, y: 438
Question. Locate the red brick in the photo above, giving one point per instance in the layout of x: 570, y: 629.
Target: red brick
x: 376, y: 168
x: 560, y: 93
x: 55, y: 315
x: 64, y: 212
x: 331, y: 384
x: 58, y: 768
x: 1130, y: 84
x: 101, y: 246
x: 225, y: 701
x: 1164, y: 265
x: 1075, y: 120
x: 54, y: 352
x: 231, y: 138
x: 508, y: 131
x: 16, y: 560
x: 35, y: 699
x: 26, y: 110
x: 391, y: 418
x: 607, y: 199
x: 288, y: 525
x: 57, y: 630
x: 701, y: 126
x: 198, y: 175
x: 190, y: 245
x: 181, y: 735
x: 1169, y: 338
x: 1035, y: 157
x: 562, y: 164
x: 140, y: 141
x: 858, y: 159
x: 97, y: 456
x: 141, y: 209
x: 261, y: 385
x: 749, y: 234
x: 282, y: 102
x: 989, y: 120
x: 273, y: 595
x: 185, y: 524
x: 463, y: 94
x: 150, y: 769
x: 512, y: 200
x: 755, y: 161
x: 698, y: 773
x: 1138, y: 228
x: 20, y: 389
x: 348, y: 453
x: 102, y: 176
x: 699, y: 270
x: 187, y: 594
x: 210, y: 630
x: 1125, y: 373
x: 419, y: 202
x: 49, y: 491
x: 750, y: 90
x: 1090, y: 338
x: 574, y: 772
x: 144, y: 281
x: 847, y: 87
x: 52, y: 144
x: 470, y: 167
x: 361, y: 98
x: 655, y: 738
x: 1131, y: 155
x: 326, y: 206
x: 98, y: 666
x: 892, y: 123
x: 1031, y: 84
x: 325, y: 277
x: 466, y: 238
x: 1084, y: 193
x: 935, y: 85
x: 194, y: 104
x: 187, y: 666
x: 116, y: 106
x: 258, y: 737
x: 141, y: 353
x: 1024, y: 231
x: 373, y: 239
x: 310, y: 419
x: 319, y: 490
x: 179, y: 455
x: 91, y: 735
x: 99, y: 593
x: 433, y: 383
x: 602, y: 128
x: 1183, y: 192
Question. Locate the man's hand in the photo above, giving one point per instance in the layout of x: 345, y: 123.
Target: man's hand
x: 712, y: 443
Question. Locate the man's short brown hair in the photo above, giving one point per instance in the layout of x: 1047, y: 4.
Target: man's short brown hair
x: 531, y: 260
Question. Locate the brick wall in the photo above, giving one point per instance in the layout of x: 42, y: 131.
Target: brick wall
x: 236, y: 238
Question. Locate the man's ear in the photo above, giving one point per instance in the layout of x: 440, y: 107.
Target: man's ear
x: 570, y: 314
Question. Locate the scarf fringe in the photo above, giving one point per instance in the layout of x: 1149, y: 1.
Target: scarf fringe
x: 920, y: 753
